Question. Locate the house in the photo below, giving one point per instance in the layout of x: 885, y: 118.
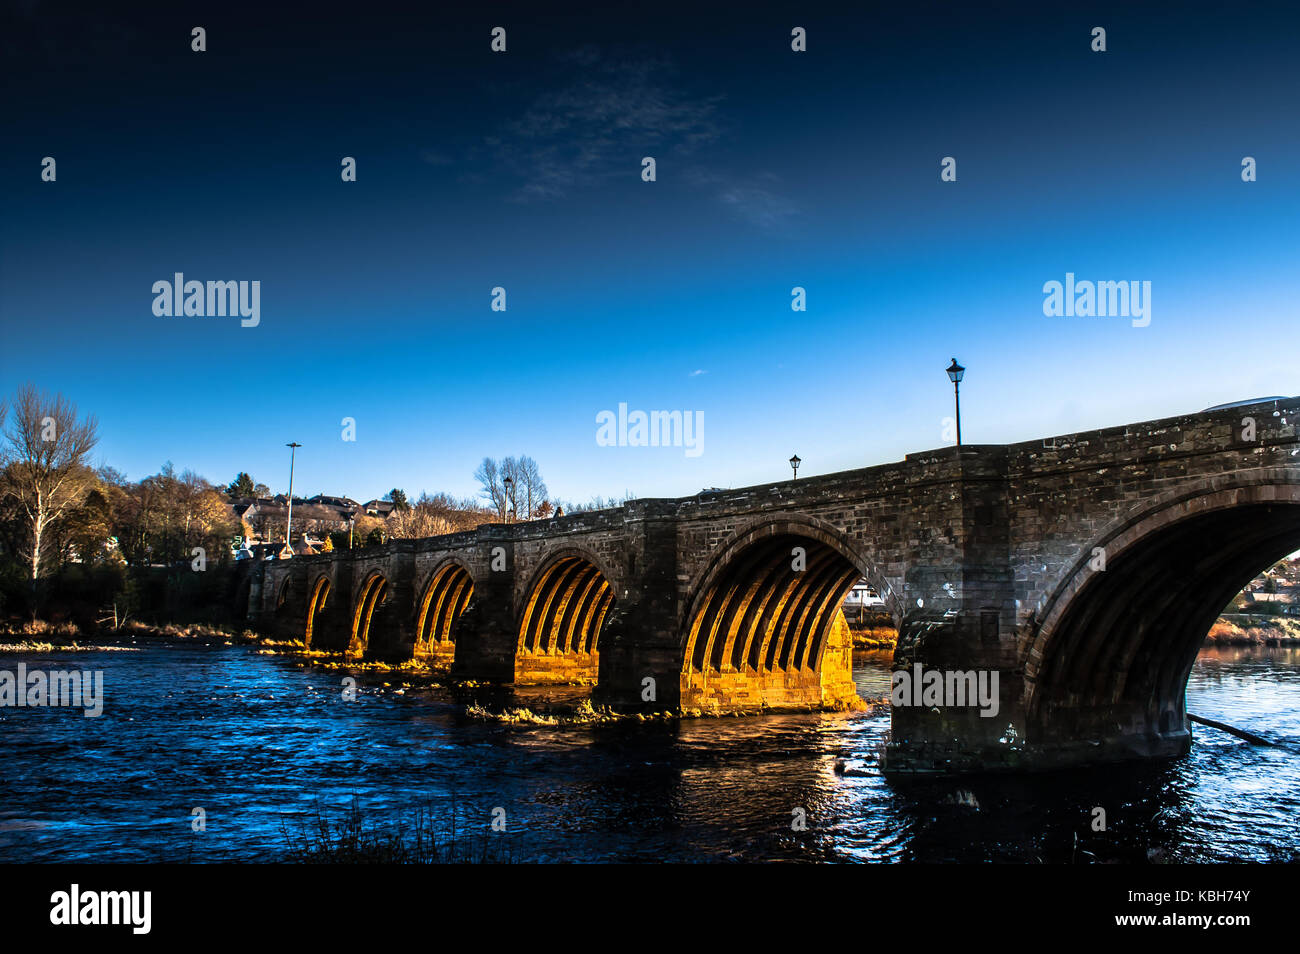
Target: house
x: 264, y: 518
x: 862, y: 597
x: 343, y: 504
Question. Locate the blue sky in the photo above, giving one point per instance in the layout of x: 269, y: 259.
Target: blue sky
x: 522, y: 170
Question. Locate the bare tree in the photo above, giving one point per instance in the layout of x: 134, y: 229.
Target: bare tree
x: 46, y: 470
x: 531, y: 485
x: 510, y: 471
x: 525, y: 485
x: 489, y: 476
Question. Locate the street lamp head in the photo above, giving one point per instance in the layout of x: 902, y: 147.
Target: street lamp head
x: 293, y: 444
x: 955, y: 372
x: 794, y: 464
x: 507, y: 482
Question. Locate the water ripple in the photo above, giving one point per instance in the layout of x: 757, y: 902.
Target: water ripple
x: 259, y: 742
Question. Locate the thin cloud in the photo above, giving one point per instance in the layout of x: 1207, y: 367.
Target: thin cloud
x: 611, y: 109
x: 758, y: 206
x: 752, y: 199
x: 599, y: 126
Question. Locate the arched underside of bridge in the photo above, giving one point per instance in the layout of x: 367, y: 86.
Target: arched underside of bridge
x: 373, y: 593
x: 1109, y: 667
x: 559, y: 629
x: 284, y: 609
x: 282, y: 599
x: 316, y: 601
x: 445, y: 597
x: 766, y: 630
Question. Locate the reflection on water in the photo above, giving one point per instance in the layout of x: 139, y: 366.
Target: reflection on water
x: 255, y: 740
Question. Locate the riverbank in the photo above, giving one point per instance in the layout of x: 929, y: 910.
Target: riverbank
x: 18, y: 636
x: 1250, y: 630
x: 872, y: 630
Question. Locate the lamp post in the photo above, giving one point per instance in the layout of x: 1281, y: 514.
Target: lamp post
x: 509, y: 486
x: 288, y: 522
x: 352, y: 519
x: 955, y: 372
x: 794, y: 465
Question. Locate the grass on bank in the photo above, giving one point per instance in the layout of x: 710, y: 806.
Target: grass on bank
x: 41, y: 636
x: 428, y: 837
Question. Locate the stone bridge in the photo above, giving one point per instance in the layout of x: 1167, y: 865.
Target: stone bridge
x: 1083, y: 570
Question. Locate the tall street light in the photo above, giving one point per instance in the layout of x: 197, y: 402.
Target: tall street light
x: 955, y: 372
x: 509, y: 486
x: 794, y: 466
x: 288, y: 523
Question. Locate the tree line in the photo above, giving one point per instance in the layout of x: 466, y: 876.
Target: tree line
x: 68, y: 527
x: 71, y: 529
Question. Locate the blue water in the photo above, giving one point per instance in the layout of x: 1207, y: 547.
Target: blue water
x: 261, y: 742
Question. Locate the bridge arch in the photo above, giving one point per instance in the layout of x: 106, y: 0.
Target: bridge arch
x: 285, y: 612
x: 317, y: 597
x: 764, y: 626
x: 1111, y: 657
x: 444, y: 596
x: 797, y: 525
x: 284, y: 594
x: 565, y: 606
x: 373, y: 592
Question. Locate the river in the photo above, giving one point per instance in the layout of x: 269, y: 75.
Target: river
x: 261, y: 743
